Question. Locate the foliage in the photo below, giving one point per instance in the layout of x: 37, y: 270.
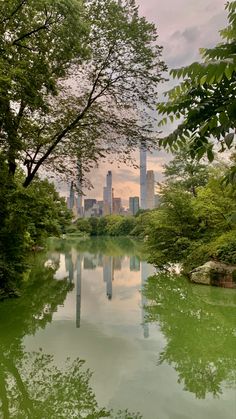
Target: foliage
x: 142, y: 222
x: 204, y: 101
x: 111, y: 225
x: 186, y: 171
x: 83, y: 225
x: 27, y: 218
x: 221, y: 248
x: 74, y: 76
x: 193, y: 228
x: 172, y: 227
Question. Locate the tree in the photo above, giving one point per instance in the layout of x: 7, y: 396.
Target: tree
x: 193, y: 229
x: 75, y: 76
x: 171, y: 228
x: 186, y: 171
x: 27, y: 217
x: 205, y: 101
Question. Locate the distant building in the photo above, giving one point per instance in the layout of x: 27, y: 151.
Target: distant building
x: 107, y: 195
x: 89, y: 203
x: 143, y: 180
x: 150, y: 189
x: 157, y: 199
x: 117, y: 206
x: 100, y: 208
x: 89, y: 206
x: 133, y: 205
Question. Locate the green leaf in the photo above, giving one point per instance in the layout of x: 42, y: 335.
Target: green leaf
x: 204, y: 128
x: 210, y: 155
x: 229, y: 139
x: 228, y: 71
x: 203, y: 80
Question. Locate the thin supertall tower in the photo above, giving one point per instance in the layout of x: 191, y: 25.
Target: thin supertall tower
x: 143, y: 180
x: 150, y: 189
x: 107, y: 195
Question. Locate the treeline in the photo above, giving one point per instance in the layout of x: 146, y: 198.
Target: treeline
x: 111, y: 225
x: 195, y: 222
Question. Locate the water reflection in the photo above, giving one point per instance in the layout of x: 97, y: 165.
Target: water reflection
x: 78, y: 291
x: 31, y: 384
x: 76, y: 263
x: 199, y: 325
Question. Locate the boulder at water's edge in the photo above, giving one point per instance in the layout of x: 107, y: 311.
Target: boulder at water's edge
x: 215, y: 273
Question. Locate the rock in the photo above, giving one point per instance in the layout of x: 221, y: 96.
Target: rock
x: 215, y: 273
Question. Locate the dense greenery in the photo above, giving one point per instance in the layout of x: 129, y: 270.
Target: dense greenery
x: 111, y: 225
x: 195, y: 222
x: 204, y: 101
x: 27, y: 217
x: 193, y: 228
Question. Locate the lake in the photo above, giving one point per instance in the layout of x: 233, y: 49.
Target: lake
x: 83, y: 339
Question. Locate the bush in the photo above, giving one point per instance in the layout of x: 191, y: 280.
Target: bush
x: 222, y: 249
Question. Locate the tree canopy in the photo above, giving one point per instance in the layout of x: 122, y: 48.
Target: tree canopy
x: 75, y: 78
x: 205, y: 100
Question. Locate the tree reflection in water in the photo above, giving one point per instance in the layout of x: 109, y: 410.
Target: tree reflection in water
x: 31, y: 385
x: 198, y: 323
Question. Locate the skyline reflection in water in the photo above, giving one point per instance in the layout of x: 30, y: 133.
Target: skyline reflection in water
x: 75, y: 266
x: 123, y: 334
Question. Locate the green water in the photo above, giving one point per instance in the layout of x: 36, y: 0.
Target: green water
x: 167, y: 353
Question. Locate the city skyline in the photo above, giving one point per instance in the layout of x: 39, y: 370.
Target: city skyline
x: 183, y: 26
x: 82, y: 206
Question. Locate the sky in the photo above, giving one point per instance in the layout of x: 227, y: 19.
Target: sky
x: 183, y: 27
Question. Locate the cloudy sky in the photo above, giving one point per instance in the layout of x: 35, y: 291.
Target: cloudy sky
x: 183, y: 26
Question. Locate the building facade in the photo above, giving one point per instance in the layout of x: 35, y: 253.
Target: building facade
x: 117, y: 206
x: 150, y: 203
x: 143, y: 180
x: 107, y: 195
x: 133, y: 205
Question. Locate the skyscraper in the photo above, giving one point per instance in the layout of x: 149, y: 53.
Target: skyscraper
x: 117, y: 206
x: 143, y: 183
x: 88, y: 204
x: 150, y: 202
x: 107, y: 195
x: 133, y: 205
x: 157, y: 200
